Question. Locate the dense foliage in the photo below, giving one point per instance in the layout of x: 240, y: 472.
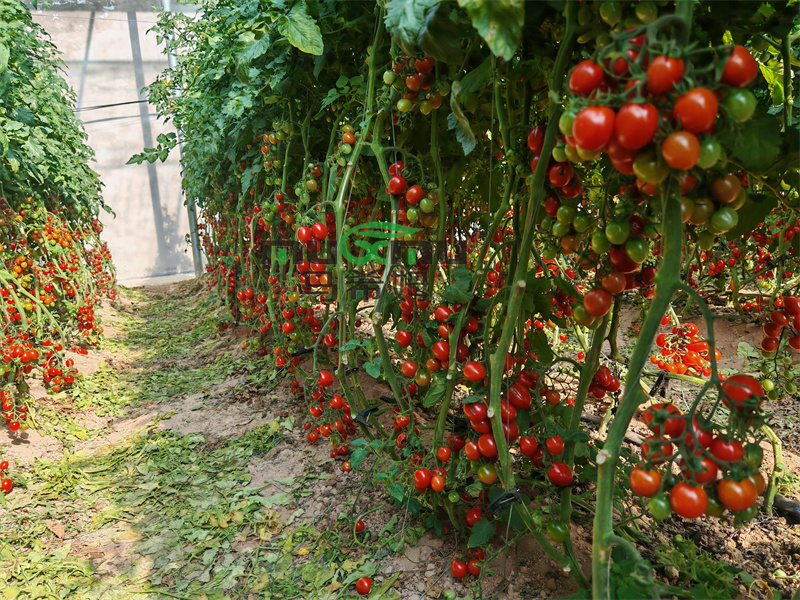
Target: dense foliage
x: 498, y: 177
x: 54, y: 269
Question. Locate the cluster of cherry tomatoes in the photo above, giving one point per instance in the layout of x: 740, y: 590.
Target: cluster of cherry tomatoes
x: 415, y: 77
x: 472, y: 565
x: 682, y: 351
x: 783, y: 321
x: 716, y: 471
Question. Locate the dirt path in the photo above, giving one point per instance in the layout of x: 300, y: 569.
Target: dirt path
x: 179, y: 468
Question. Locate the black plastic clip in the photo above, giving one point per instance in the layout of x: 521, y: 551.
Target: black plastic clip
x: 363, y: 415
x: 504, y: 499
x: 350, y: 370
x: 389, y: 399
x: 660, y: 386
x: 302, y: 351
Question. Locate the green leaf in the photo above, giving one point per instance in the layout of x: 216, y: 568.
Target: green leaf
x: 440, y: 38
x: 435, y: 393
x: 458, y: 291
x: 482, y: 532
x: 5, y: 53
x: 477, y: 79
x: 301, y: 30
x: 458, y: 121
x: 753, y: 211
x: 541, y: 347
x: 757, y: 143
x: 373, y: 369
x: 358, y: 456
x: 499, y: 22
x: 405, y: 21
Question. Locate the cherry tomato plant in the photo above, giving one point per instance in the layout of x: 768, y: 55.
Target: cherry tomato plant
x: 452, y: 201
x: 54, y: 269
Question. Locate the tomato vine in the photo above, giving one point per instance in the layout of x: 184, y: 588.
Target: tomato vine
x: 590, y: 152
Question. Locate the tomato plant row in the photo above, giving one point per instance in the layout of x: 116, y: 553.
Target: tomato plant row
x: 454, y: 199
x: 54, y: 269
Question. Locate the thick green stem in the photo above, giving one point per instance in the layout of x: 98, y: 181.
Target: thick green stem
x: 668, y: 280
x: 778, y: 468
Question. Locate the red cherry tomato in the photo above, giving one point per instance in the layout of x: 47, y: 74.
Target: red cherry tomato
x: 696, y: 110
x: 635, y: 125
x: 597, y: 302
x: 474, y: 371
x: 560, y: 474
x: 459, y: 569
x: 645, y: 482
x: 585, y: 78
x: 688, y: 501
x: 740, y: 68
x: 593, y: 127
x: 663, y: 73
x: 681, y: 150
x: 742, y: 393
x: 364, y: 585
x: 397, y: 185
x: 737, y: 495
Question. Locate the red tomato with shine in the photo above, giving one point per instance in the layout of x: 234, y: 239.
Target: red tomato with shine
x: 364, y: 585
x: 688, y: 501
x: 560, y: 474
x: 474, y: 371
x: 696, y: 110
x: 597, y: 302
x: 645, y: 482
x: 585, y: 78
x: 681, y: 150
x: 593, y: 127
x: 737, y: 495
x: 397, y: 184
x: 663, y: 73
x: 635, y: 125
x: 739, y: 392
x: 740, y: 68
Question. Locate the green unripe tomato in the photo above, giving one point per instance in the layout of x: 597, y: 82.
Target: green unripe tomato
x: 638, y: 250
x: 559, y: 153
x: 649, y: 167
x: 768, y: 385
x: 581, y: 317
x: 740, y: 104
x: 404, y: 105
x: 646, y: 12
x: 557, y: 531
x: 706, y: 239
x: 714, y: 508
x: 618, y: 232
x: 600, y: 243
x: 560, y: 229
x: 427, y: 205
x: 710, y: 150
x: 566, y: 214
x: 586, y: 155
x: 572, y: 154
x: 659, y: 507
x: 565, y: 123
x: 581, y: 222
x: 549, y: 252
x: 611, y: 12
x: 412, y: 214
x: 389, y: 77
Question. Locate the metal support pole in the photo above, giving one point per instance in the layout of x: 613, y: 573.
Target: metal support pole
x: 191, y: 210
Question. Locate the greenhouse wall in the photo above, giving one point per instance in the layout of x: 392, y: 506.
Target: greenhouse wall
x: 109, y: 57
